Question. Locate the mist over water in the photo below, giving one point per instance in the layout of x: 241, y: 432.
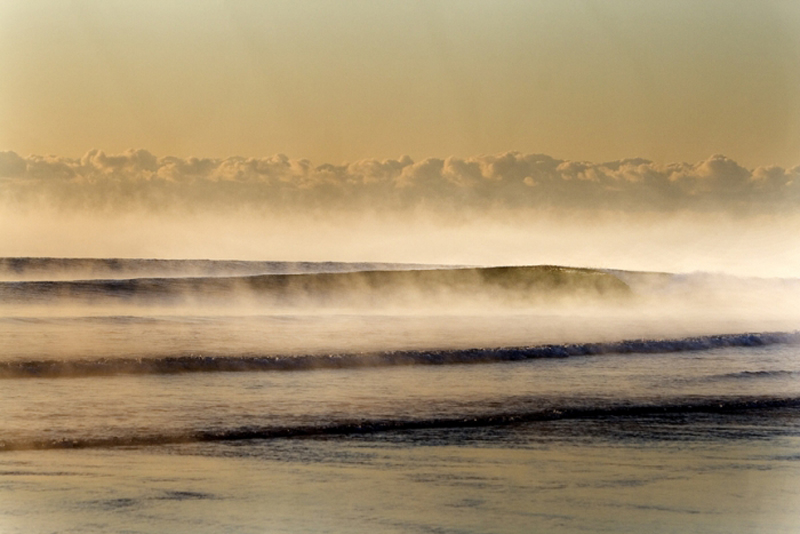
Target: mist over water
x: 523, y: 267
x: 765, y: 246
x: 504, y: 209
x: 277, y: 320
x: 301, y: 309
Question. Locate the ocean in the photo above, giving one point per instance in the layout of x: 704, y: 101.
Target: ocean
x: 152, y: 396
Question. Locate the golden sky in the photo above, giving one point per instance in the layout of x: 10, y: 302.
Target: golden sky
x: 337, y: 81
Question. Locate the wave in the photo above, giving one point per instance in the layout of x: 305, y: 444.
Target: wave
x: 43, y: 269
x: 750, y: 375
x: 251, y: 363
x: 369, y: 426
x: 339, y: 288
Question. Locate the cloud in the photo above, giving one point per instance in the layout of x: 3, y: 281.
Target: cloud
x: 137, y: 179
x: 11, y: 164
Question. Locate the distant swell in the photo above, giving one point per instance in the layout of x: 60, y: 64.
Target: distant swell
x: 709, y: 406
x: 62, y: 269
x: 211, y: 363
x: 337, y: 288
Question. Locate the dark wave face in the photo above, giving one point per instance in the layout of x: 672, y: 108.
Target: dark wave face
x: 251, y: 363
x: 372, y: 288
x: 43, y: 269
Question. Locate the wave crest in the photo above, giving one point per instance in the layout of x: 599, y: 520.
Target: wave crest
x: 249, y: 363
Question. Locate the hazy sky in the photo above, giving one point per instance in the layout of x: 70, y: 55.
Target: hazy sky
x: 338, y: 81
x: 626, y: 134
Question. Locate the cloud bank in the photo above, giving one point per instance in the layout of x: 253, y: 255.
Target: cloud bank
x: 137, y: 179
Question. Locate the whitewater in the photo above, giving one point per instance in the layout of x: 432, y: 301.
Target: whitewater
x: 363, y: 397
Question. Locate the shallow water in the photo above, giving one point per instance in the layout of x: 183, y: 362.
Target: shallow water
x: 723, y: 475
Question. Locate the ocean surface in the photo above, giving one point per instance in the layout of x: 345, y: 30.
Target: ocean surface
x: 160, y: 396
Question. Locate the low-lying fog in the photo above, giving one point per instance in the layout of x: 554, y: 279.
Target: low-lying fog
x: 240, y: 320
x: 729, y: 236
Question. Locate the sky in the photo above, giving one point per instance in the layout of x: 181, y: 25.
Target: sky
x: 339, y: 81
x: 492, y: 131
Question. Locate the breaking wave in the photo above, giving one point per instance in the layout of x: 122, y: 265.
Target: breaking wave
x: 250, y: 363
x: 338, y: 288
